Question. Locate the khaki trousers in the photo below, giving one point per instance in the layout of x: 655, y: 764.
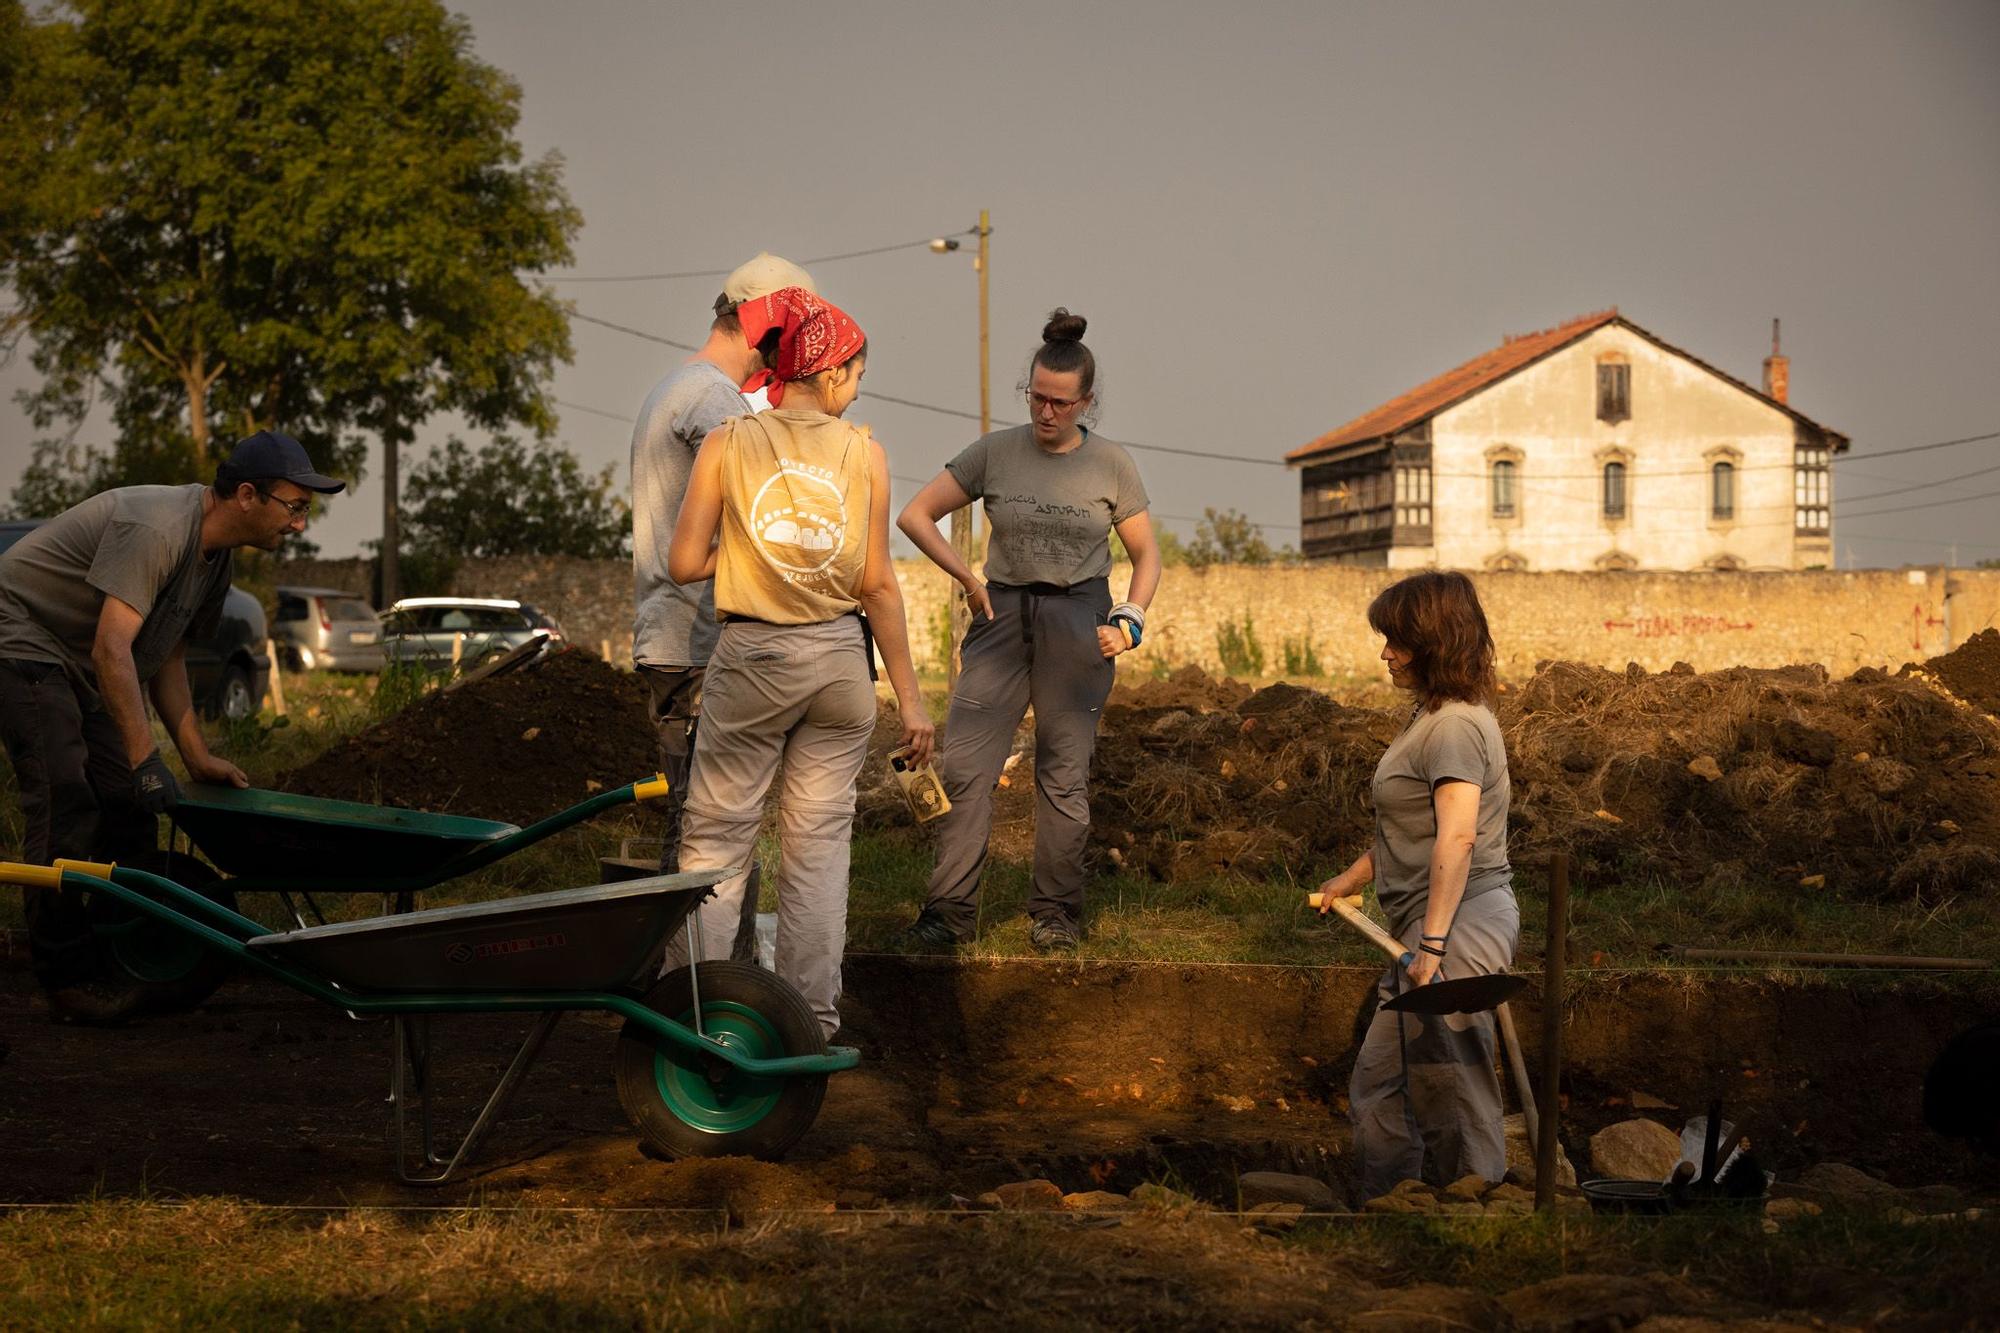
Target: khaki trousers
x: 797, y: 696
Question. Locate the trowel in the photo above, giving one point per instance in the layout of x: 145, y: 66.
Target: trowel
x: 1459, y: 995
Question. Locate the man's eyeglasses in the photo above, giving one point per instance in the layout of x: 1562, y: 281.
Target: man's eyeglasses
x: 1040, y: 401
x: 296, y: 508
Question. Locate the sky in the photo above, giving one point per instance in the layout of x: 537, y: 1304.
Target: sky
x: 1277, y: 216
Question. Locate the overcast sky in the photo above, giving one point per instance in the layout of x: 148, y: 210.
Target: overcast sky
x: 1277, y: 216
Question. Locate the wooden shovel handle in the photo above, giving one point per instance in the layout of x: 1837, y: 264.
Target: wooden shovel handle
x: 1351, y: 909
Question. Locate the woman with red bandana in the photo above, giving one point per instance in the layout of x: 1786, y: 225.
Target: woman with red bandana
x: 788, y: 511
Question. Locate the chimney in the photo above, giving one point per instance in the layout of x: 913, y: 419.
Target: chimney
x: 1777, y: 371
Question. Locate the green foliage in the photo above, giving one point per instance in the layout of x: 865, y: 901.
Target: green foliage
x: 513, y: 499
x: 1227, y: 537
x: 224, y: 215
x: 1237, y: 646
x: 941, y: 632
x: 1173, y: 551
x: 1301, y: 659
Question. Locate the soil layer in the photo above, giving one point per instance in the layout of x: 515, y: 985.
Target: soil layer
x: 1093, y: 1075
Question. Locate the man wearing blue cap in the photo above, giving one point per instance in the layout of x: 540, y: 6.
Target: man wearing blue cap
x: 96, y: 608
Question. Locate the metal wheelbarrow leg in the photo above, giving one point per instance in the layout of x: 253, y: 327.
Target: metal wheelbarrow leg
x: 414, y: 1055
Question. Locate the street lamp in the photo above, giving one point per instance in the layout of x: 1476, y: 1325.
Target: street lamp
x: 963, y: 521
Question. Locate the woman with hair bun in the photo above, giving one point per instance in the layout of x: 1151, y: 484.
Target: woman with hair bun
x: 1423, y: 1097
x: 1044, y: 631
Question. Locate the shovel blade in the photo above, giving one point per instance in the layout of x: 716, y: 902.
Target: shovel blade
x: 1461, y: 995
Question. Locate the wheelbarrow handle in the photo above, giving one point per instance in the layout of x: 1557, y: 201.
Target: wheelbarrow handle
x: 652, y: 789
x: 1350, y: 908
x: 30, y: 877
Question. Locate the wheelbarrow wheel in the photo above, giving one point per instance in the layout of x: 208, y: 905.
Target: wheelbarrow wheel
x: 122, y: 964
x: 686, y: 1105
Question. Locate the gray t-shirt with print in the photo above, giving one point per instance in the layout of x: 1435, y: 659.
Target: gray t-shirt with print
x: 1461, y: 742
x: 140, y: 544
x: 1051, y: 514
x: 672, y: 625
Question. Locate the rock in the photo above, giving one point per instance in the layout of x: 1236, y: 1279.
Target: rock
x: 1705, y: 767
x: 1461, y: 1208
x: 1098, y: 1201
x: 1467, y: 1189
x: 1505, y: 1192
x: 1635, y: 1150
x: 1027, y: 1195
x: 1257, y: 1187
x: 1787, y: 1210
x: 1646, y: 1101
x: 1159, y: 1196
x: 1401, y: 1203
x: 1839, y: 1181
x: 1577, y: 1302
x: 1276, y: 1216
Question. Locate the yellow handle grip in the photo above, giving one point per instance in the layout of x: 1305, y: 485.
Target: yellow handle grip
x: 652, y: 789
x: 101, y: 869
x: 30, y: 877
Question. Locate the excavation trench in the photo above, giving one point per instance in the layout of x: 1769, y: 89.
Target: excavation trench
x: 1094, y: 1075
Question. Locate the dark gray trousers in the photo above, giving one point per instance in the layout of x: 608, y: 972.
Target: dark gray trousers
x: 75, y: 788
x: 1039, y: 649
x: 1423, y: 1097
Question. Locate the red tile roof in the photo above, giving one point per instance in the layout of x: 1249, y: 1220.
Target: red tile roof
x: 1433, y: 396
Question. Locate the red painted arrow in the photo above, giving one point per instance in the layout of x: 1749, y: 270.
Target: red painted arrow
x: 1621, y: 624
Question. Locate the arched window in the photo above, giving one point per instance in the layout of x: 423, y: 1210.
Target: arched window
x: 1505, y: 480
x: 1614, y: 490
x: 1722, y: 491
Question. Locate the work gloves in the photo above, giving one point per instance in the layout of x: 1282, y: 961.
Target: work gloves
x: 153, y: 785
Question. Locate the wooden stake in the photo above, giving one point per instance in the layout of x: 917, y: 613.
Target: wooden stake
x: 277, y: 679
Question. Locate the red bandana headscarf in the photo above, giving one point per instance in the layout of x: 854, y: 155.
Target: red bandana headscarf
x: 813, y: 336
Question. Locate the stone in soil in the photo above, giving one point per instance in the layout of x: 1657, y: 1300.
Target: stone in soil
x: 1635, y: 1150
x: 1097, y: 1201
x: 1579, y: 1301
x: 1256, y: 1187
x: 1840, y: 1181
x: 1160, y: 1197
x: 1026, y: 1195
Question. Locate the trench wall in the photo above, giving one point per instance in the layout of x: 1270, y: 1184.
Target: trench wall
x: 1843, y: 619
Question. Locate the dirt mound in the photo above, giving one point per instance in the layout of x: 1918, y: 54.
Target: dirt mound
x: 1879, y: 784
x: 517, y: 747
x: 1874, y: 786
x: 1189, y: 688
x: 1971, y: 671
x: 1276, y: 782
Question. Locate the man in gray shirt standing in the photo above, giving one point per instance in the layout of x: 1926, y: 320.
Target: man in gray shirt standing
x: 96, y: 608
x: 674, y: 627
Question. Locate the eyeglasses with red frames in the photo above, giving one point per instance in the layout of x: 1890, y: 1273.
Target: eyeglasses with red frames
x: 1057, y: 405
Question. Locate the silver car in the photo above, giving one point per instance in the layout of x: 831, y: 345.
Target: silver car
x: 326, y: 629
x: 423, y: 630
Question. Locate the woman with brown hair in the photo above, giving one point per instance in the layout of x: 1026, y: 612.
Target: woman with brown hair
x: 1423, y: 1098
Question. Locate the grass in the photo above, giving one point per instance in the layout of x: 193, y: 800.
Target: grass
x: 217, y: 1263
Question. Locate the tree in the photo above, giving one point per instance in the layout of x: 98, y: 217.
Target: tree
x: 510, y: 500
x: 1227, y: 537
x: 226, y: 215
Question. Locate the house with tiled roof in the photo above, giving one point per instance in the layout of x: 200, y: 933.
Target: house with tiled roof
x: 1591, y: 445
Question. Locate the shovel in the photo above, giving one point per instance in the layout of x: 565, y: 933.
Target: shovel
x: 1461, y: 995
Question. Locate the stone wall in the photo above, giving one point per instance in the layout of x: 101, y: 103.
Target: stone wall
x: 1843, y: 619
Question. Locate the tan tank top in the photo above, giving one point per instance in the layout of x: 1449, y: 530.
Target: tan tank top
x: 795, y: 497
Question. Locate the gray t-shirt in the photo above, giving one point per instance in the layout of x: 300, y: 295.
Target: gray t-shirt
x: 140, y: 544
x: 672, y: 625
x: 1461, y: 742
x: 1052, y: 514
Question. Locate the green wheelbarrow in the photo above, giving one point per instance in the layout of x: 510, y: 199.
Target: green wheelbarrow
x: 292, y: 846
x: 717, y: 1059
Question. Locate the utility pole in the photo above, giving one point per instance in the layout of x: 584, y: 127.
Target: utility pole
x: 964, y: 538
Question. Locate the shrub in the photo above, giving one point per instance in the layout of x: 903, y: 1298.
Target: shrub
x: 1237, y: 646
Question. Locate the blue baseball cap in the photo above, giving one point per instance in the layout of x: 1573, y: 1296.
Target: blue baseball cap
x: 271, y: 456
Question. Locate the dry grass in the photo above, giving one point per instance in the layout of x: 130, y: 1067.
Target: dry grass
x: 215, y: 1263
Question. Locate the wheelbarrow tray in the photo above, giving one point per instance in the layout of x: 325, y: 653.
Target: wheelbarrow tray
x: 591, y: 939
x: 284, y: 836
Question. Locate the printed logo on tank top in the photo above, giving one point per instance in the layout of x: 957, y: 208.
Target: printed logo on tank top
x: 799, y: 517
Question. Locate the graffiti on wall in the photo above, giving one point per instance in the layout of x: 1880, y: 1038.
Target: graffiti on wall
x: 1665, y: 627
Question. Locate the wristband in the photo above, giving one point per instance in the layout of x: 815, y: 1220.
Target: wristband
x: 1130, y: 617
x: 1445, y: 936
x: 1435, y: 953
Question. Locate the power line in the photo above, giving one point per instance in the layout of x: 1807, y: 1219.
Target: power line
x: 1928, y: 504
x: 1925, y: 485
x: 725, y: 272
